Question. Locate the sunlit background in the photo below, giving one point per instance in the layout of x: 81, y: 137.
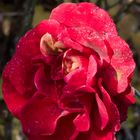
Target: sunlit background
x: 18, y: 16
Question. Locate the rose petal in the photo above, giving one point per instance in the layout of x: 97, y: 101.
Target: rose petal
x: 114, y: 119
x: 78, y: 100
x: 56, y: 68
x: 74, y: 76
x: 50, y: 26
x: 81, y: 102
x: 93, y: 17
x: 36, y: 122
x: 82, y: 122
x: 44, y: 84
x: 85, y: 89
x: 89, y: 38
x: 123, y: 65
x: 101, y: 117
x: 86, y: 32
x: 10, y: 95
x: 92, y: 69
x: 93, y: 135
x: 110, y: 79
x: 19, y: 72
x: 65, y: 130
x: 107, y: 136
x: 64, y: 37
x: 123, y: 101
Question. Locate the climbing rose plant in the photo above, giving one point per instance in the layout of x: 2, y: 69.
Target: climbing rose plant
x: 69, y: 78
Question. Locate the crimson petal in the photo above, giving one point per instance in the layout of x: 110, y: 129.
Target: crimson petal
x: 123, y: 101
x: 93, y: 17
x: 114, y: 119
x: 36, y: 122
x: 65, y: 130
x: 101, y: 115
x: 93, y: 135
x: 123, y: 64
x: 82, y: 122
x: 92, y: 70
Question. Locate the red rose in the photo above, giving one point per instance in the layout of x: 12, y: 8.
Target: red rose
x: 69, y: 78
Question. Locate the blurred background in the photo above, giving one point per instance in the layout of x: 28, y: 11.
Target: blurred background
x: 18, y: 16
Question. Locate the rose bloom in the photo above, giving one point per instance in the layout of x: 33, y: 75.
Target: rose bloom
x: 69, y: 78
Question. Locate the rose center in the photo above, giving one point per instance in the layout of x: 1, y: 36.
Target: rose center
x: 70, y: 64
